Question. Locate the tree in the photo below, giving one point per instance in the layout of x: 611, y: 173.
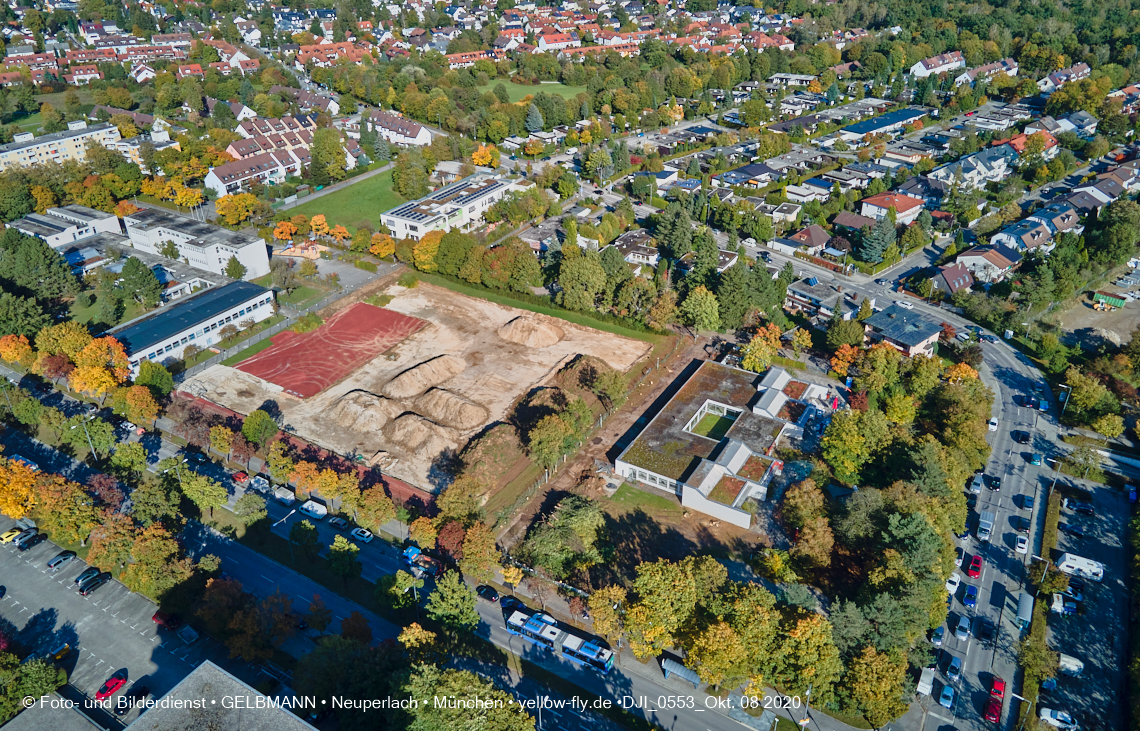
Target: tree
x: 320, y: 616
x: 259, y: 427
x: 582, y: 279
x: 534, y: 121
x: 450, y: 540
x: 803, y: 502
x: 452, y: 604
x: 547, y: 440
x: 250, y: 508
x: 136, y: 403
x: 842, y: 332
x: 815, y: 543
x: 65, y: 510
x: 844, y: 446
x: 374, y: 509
x: 221, y: 438
x: 204, y: 492
x: 235, y: 269
x: 1110, y: 425
x: 801, y: 340
x: 111, y: 541
x: 152, y: 502
x: 733, y: 295
x: 758, y: 354
x: 807, y: 657
x: 423, y: 533
x: 878, y: 684
x: 355, y: 627
x: 876, y: 241
x: 480, y: 555
x: 467, y: 701
x: 304, y: 536
x: 140, y: 282
x: 343, y: 558
x: 156, y: 377
x: 236, y: 208
x: 701, y: 310
x: 21, y: 316
x: 17, y: 489
x: 719, y: 656
x: 156, y: 568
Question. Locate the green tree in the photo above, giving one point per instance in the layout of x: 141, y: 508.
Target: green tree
x: 803, y: 502
x: 21, y: 315
x: 452, y: 604
x: 734, y: 295
x: 128, y: 459
x: 878, y: 685
x: 235, y: 269
x: 494, y: 709
x: 343, y: 558
x: 534, y: 121
x: 842, y: 332
x: 582, y: 279
x: 203, y: 491
x: 250, y: 508
x: 701, y: 310
x: 874, y: 243
x: 304, y: 536
x: 844, y: 445
x: 259, y: 427
x: 140, y: 283
x: 548, y: 440
x: 155, y: 377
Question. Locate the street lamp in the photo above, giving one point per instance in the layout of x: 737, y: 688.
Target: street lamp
x: 83, y: 423
x: 177, y: 469
x: 1068, y: 395
x: 1030, y: 709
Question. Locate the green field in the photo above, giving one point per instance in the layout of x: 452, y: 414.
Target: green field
x: 517, y: 91
x: 359, y: 201
x: 248, y: 352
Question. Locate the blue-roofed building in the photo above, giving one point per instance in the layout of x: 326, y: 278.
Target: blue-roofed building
x: 164, y: 334
x: 907, y: 330
x: 691, y: 185
x: 755, y: 175
x: 883, y: 124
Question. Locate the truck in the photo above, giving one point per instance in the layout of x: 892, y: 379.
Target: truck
x: 314, y: 510
x: 926, y: 682
x: 1070, y: 666
x: 986, y: 525
x: 1080, y: 566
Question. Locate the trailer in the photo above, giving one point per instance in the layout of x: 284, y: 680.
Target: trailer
x: 1106, y: 298
x: 926, y: 682
x: 284, y: 496
x: 986, y: 525
x: 314, y: 510
x: 1081, y: 566
x: 1024, y: 610
x: 1070, y: 666
x: 1060, y: 606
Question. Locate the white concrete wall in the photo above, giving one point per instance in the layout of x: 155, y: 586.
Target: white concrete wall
x: 691, y: 498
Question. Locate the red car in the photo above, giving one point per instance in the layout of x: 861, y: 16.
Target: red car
x: 241, y: 478
x: 163, y: 619
x: 975, y: 569
x: 113, y: 683
x: 993, y: 711
x: 997, y: 689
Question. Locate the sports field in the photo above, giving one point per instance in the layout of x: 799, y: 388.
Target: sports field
x: 304, y: 365
x: 517, y: 91
x: 349, y: 206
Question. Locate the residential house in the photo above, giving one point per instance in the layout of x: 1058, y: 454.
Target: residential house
x: 991, y: 263
x: 909, y: 331
x: 397, y: 129
x: 813, y: 239
x: 992, y: 164
x: 878, y: 206
x: 1057, y: 79
x: 987, y: 72
x: 938, y: 64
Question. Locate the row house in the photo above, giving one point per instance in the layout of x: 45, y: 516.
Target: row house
x: 307, y: 100
x: 1057, y: 79
x: 987, y: 73
x: 467, y: 60
x: 625, y: 50
x: 118, y: 43
x: 326, y: 55
x: 151, y: 53
x: 557, y: 41
x: 244, y: 149
x: 91, y: 55
x: 260, y: 126
x: 82, y: 75
x: 268, y: 168
x: 172, y: 40
x: 938, y: 64
x: 397, y: 129
x: 42, y: 61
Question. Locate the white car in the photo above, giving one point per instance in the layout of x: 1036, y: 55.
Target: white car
x: 904, y: 304
x: 993, y: 424
x: 362, y: 535
x: 953, y: 582
x: 1022, y: 544
x: 1060, y: 719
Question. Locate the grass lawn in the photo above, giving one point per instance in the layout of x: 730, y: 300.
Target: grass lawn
x: 359, y: 201
x: 251, y: 350
x: 713, y: 426
x: 131, y: 310
x: 517, y: 91
x: 631, y: 499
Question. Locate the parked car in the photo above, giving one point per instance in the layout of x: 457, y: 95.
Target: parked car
x: 89, y: 586
x: 997, y: 688
x: 11, y: 535
x: 338, y: 523
x: 1074, y: 594
x: 1060, y: 719
x: 954, y: 669
x: 1083, y: 509
x: 1021, y: 437
x: 116, y: 681
x: 976, y: 483
x: 1021, y: 525
x: 971, y: 598
x: 61, y: 559
x: 975, y: 568
x: 939, y: 636
x: 946, y: 700
x: 487, y: 592
x: 993, y: 424
x: 959, y: 554
x: 1022, y: 544
x: 167, y: 620
x: 953, y: 582
x: 995, y: 483
x: 32, y: 541
x: 962, y: 631
x: 1027, y: 502
x: 86, y: 574
x: 362, y: 535
x: 240, y: 478
x: 993, y: 711
x: 23, y: 536
x: 904, y: 304
x: 1073, y: 530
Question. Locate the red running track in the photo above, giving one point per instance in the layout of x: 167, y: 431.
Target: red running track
x: 306, y: 364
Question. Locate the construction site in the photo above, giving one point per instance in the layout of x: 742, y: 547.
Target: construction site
x: 438, y: 367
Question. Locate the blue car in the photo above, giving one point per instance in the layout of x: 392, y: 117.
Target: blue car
x: 947, y: 698
x: 971, y: 598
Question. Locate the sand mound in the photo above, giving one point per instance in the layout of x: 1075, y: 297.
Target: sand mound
x: 532, y: 331
x: 363, y: 411
x: 449, y: 409
x: 420, y: 436
x: 420, y: 378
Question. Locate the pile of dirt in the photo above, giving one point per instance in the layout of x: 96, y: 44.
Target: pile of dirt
x: 363, y: 411
x: 444, y: 407
x: 417, y: 435
x: 533, y: 331
x: 420, y: 378
x: 490, y: 457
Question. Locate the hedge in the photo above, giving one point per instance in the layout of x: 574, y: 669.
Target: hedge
x: 365, y: 265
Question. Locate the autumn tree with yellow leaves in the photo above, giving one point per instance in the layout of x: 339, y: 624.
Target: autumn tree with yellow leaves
x: 17, y: 489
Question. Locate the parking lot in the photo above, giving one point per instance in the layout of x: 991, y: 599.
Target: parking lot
x: 109, y: 630
x: 1097, y: 635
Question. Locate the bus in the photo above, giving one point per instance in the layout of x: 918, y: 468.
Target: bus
x: 26, y: 462
x: 545, y: 631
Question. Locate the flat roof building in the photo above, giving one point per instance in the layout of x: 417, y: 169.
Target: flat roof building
x: 202, y: 245
x: 162, y: 335
x: 56, y: 147
x: 65, y: 225
x: 458, y: 206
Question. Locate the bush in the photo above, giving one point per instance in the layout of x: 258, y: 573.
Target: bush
x: 307, y: 323
x: 408, y: 280
x: 365, y: 265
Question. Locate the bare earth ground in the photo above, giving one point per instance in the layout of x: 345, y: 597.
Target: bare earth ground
x: 410, y: 423
x: 1083, y: 325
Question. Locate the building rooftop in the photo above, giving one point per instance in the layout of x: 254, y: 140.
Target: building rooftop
x: 199, y: 232
x: 904, y: 326
x: 447, y: 198
x: 51, y: 714
x: 208, y: 682
x: 183, y: 314
x: 666, y: 448
x: 57, y: 136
